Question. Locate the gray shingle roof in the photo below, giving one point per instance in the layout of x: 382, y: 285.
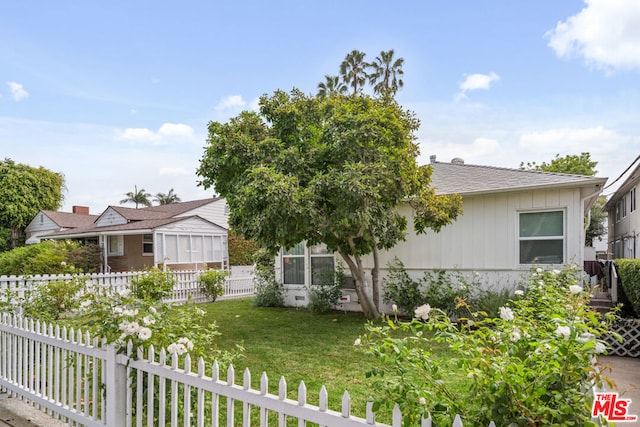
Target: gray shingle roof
x: 460, y: 178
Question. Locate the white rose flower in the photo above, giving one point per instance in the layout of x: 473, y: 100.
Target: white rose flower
x: 118, y: 310
x: 123, y: 325
x: 515, y: 335
x: 144, y: 333
x: 519, y: 292
x: 564, y: 331
x: 357, y: 342
x: 422, y: 401
x: 507, y: 314
x: 394, y: 308
x: 186, y: 342
x: 422, y: 312
x: 600, y: 348
x: 132, y: 328
x: 575, y: 289
x: 538, y: 270
x: 152, y: 310
x: 148, y: 320
x: 556, y: 272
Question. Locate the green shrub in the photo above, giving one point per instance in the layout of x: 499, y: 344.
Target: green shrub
x: 212, y: 283
x: 51, y: 301
x: 241, y: 251
x: 439, y: 288
x: 153, y: 285
x: 269, y: 293
x: 401, y: 289
x: 325, y: 294
x: 530, y: 366
x: 630, y: 277
x: 50, y: 257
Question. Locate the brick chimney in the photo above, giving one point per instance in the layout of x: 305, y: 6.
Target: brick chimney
x: 81, y: 210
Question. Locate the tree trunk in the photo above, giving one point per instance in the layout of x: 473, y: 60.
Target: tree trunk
x: 369, y: 309
x: 15, y: 234
x: 375, y: 277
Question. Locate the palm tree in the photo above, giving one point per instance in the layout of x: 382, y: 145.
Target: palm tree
x: 387, y: 74
x: 137, y: 197
x: 353, y: 70
x: 167, y: 199
x: 331, y: 86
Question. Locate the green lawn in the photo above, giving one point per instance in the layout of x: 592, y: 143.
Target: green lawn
x: 299, y: 345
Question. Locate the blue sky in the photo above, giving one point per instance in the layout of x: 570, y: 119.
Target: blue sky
x: 116, y: 94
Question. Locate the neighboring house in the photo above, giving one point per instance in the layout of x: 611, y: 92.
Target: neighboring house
x: 47, y: 222
x: 623, y: 219
x: 512, y: 220
x: 181, y: 236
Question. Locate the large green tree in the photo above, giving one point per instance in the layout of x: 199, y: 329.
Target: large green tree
x: 24, y: 191
x: 139, y: 197
x: 578, y: 165
x: 324, y: 170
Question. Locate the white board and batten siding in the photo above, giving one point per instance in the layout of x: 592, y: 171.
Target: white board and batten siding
x: 216, y: 212
x: 110, y: 217
x: 41, y: 225
x: 485, y: 237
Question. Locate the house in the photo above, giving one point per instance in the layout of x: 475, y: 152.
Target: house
x: 181, y: 236
x: 623, y: 218
x: 47, y: 222
x: 512, y: 220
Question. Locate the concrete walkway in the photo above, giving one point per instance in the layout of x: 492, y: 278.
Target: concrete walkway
x: 625, y: 372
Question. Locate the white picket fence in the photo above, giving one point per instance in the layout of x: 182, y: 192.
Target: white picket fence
x: 79, y: 380
x: 187, y: 285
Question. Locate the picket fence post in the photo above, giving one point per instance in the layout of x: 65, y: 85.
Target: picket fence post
x: 116, y: 385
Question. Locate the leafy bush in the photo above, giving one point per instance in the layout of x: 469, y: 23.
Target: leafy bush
x: 52, y: 300
x: 325, y: 294
x: 50, y: 257
x: 212, y: 283
x: 241, y: 251
x: 439, y: 288
x: 153, y: 285
x: 630, y: 276
x: 531, y: 366
x: 269, y: 293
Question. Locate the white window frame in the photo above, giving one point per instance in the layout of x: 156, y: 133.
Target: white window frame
x: 305, y: 265
x: 562, y: 237
x: 119, y: 249
x: 147, y: 239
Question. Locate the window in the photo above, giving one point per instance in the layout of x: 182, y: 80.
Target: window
x: 147, y: 244
x: 541, y: 236
x: 623, y: 204
x: 632, y: 200
x: 322, y: 265
x: 293, y: 265
x: 115, y: 245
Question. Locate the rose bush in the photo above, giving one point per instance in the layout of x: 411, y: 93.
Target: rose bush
x: 533, y: 365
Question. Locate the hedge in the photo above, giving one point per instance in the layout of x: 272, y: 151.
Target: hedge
x: 629, y: 270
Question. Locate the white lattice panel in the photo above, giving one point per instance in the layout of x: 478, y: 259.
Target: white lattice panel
x: 629, y: 330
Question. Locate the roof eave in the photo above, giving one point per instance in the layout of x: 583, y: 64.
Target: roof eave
x: 596, y: 182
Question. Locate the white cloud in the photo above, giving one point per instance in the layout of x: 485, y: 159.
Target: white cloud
x: 233, y: 102
x: 476, y: 82
x: 175, y: 129
x: 18, y: 93
x: 168, y: 131
x: 254, y: 105
x: 606, y: 33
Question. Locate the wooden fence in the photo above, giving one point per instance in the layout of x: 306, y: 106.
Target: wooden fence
x: 187, y: 285
x: 82, y: 381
